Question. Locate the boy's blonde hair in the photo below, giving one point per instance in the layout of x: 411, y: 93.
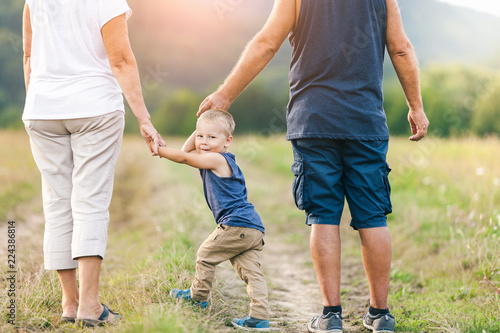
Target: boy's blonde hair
x: 219, y: 117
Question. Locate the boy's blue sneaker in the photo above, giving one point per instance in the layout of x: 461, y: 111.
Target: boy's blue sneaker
x: 185, y: 295
x: 251, y: 324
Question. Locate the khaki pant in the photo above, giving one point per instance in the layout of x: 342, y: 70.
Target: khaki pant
x: 241, y: 246
x: 77, y: 159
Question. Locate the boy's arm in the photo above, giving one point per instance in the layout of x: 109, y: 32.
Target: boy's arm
x: 189, y: 145
x: 212, y: 161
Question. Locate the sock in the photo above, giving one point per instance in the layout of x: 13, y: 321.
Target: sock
x: 334, y: 309
x: 374, y: 312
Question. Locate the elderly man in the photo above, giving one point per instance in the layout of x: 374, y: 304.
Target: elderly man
x: 338, y: 129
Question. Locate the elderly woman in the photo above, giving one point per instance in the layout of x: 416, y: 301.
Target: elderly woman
x: 77, y: 63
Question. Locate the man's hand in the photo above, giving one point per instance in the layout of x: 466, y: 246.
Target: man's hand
x: 418, y: 123
x: 216, y: 101
x: 152, y: 137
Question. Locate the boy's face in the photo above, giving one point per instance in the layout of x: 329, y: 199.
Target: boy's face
x: 211, y: 138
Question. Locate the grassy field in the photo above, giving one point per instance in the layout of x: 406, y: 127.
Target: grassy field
x: 445, y: 229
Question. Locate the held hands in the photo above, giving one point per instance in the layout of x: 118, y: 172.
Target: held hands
x: 418, y: 123
x: 152, y: 137
x: 152, y: 146
x: 216, y: 101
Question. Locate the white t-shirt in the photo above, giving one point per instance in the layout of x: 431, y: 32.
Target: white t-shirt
x: 70, y: 72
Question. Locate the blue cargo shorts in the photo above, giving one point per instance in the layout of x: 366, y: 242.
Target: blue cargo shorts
x: 329, y: 171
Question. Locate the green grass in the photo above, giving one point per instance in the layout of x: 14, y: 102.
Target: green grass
x: 445, y: 228
x: 19, y: 177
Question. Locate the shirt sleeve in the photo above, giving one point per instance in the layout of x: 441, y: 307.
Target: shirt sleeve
x: 109, y: 9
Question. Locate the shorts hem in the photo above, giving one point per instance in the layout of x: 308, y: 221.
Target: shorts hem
x: 60, y: 265
x: 322, y: 220
x: 375, y: 223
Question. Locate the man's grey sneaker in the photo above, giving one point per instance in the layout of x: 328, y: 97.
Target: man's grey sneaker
x: 330, y: 323
x: 185, y: 295
x: 379, y: 323
x: 251, y: 324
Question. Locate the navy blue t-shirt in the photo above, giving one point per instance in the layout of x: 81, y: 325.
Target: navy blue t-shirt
x: 336, y: 71
x: 227, y: 197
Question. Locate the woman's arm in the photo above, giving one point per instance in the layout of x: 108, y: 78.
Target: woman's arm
x: 124, y: 67
x: 27, y: 45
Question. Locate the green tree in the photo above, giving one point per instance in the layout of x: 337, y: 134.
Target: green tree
x: 260, y: 108
x: 486, y: 116
x: 177, y: 114
x: 449, y: 95
x: 395, y: 107
x: 11, y: 60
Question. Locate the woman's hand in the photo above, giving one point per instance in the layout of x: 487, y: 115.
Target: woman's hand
x: 151, y: 136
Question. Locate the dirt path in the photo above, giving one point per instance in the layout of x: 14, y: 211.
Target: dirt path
x: 293, y: 289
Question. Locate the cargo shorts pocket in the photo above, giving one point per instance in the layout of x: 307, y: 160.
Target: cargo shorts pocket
x: 388, y: 206
x: 298, y: 184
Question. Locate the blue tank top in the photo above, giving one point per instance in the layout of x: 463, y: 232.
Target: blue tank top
x: 336, y: 71
x: 227, y: 197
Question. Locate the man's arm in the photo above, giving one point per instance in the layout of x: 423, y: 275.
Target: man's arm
x: 27, y: 45
x: 259, y: 51
x: 124, y: 68
x: 405, y: 63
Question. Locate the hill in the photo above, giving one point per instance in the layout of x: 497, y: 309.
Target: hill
x: 443, y: 33
x: 200, y: 41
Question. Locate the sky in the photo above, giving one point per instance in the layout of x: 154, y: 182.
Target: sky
x: 488, y: 6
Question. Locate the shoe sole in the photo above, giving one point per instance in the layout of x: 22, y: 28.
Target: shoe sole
x: 243, y: 328
x: 312, y: 330
x: 65, y: 319
x: 376, y: 331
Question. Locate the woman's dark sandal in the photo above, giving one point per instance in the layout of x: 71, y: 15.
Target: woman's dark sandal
x: 66, y: 319
x: 107, y: 317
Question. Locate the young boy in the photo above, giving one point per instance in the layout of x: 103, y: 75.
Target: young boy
x: 239, y: 233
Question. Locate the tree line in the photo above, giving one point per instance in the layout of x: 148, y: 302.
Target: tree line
x: 459, y: 100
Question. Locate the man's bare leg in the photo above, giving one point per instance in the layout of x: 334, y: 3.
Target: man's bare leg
x: 377, y: 254
x: 325, y: 253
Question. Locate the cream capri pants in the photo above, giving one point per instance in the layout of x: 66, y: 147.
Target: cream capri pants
x: 76, y: 159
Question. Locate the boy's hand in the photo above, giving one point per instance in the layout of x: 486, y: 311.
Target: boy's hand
x: 152, y: 145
